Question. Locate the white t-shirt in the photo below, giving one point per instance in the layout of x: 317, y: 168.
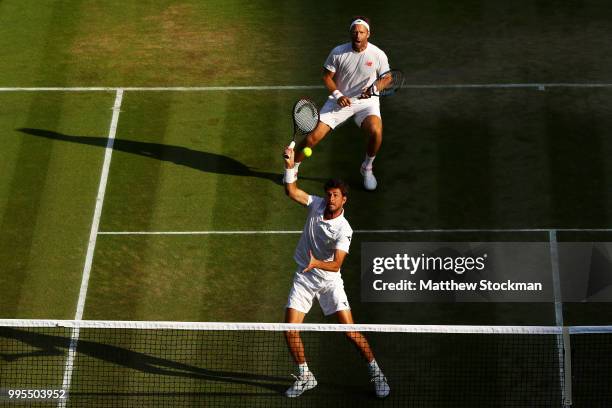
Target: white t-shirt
x: 322, y: 237
x: 354, y: 70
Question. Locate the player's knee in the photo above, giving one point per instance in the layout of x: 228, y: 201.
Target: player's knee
x: 319, y: 133
x: 292, y: 338
x: 291, y: 335
x: 374, y: 137
x: 352, y: 336
x: 313, y: 139
x: 373, y: 131
x: 357, y: 339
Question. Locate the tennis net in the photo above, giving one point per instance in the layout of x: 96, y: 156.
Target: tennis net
x: 174, y: 364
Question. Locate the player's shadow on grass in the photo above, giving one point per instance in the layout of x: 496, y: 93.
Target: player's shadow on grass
x: 195, y: 159
x: 46, y: 345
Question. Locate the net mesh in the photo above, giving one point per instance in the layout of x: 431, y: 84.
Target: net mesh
x: 148, y: 364
x: 305, y: 116
x: 592, y: 367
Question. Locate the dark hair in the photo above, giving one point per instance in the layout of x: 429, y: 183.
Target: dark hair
x: 337, y: 183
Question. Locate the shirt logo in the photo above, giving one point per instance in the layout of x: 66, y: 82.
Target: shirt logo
x: 369, y: 63
x: 326, y: 227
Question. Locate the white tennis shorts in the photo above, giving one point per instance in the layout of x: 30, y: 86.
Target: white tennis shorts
x: 334, y: 115
x: 329, y: 293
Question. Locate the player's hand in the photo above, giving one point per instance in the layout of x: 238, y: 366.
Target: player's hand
x: 366, y: 93
x: 289, y: 155
x: 344, y: 101
x: 311, y: 264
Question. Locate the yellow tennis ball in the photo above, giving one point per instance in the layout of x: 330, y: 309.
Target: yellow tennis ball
x: 307, y: 151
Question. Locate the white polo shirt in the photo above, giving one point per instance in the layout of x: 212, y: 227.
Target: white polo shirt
x: 322, y: 237
x: 354, y: 70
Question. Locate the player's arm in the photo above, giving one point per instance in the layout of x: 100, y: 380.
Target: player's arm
x: 378, y: 85
x: 291, y: 189
x: 381, y: 82
x: 330, y: 84
x: 329, y: 266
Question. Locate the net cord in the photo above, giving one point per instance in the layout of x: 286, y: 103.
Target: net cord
x: 172, y: 325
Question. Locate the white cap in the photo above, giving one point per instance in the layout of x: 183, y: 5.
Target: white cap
x: 360, y: 21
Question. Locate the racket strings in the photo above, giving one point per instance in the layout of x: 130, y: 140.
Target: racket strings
x: 305, y: 116
x: 390, y: 83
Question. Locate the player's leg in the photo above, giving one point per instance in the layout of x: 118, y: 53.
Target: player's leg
x: 331, y: 115
x: 368, y: 118
x: 294, y: 341
x: 311, y: 140
x: 381, y: 386
x: 373, y: 129
x: 358, y: 339
x: 298, y: 304
x: 333, y: 300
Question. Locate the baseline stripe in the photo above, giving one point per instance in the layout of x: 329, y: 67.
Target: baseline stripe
x: 538, y: 86
x: 198, y: 232
x: 381, y: 231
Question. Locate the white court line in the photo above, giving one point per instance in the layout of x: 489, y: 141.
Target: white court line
x: 556, y: 280
x: 539, y: 86
x: 563, y: 339
x: 197, y: 232
x: 381, y: 231
x: 95, y: 225
x: 162, y: 88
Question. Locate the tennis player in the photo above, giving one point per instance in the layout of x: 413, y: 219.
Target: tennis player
x: 348, y: 71
x: 319, y: 256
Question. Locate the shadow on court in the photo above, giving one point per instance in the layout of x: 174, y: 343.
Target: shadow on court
x: 46, y: 345
x: 195, y: 159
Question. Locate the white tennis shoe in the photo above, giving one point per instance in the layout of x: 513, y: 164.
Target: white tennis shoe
x: 302, y: 383
x: 369, y: 181
x: 380, y: 385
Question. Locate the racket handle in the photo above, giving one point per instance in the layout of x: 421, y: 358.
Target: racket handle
x: 291, y: 146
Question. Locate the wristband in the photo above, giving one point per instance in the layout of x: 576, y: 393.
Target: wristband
x: 337, y: 94
x: 290, y: 176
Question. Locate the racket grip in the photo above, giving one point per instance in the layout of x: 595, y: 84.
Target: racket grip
x: 291, y: 146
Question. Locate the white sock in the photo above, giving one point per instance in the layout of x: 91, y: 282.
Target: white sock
x: 367, y: 163
x: 303, y: 369
x: 373, y: 368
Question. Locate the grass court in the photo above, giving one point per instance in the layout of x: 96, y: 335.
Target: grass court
x: 504, y: 125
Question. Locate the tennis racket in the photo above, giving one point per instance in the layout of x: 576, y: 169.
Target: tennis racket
x: 387, y: 84
x: 305, y: 119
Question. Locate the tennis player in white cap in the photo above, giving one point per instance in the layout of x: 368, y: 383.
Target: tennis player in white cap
x: 349, y: 69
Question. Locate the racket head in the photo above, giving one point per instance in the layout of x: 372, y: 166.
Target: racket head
x: 388, y: 83
x: 305, y: 116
